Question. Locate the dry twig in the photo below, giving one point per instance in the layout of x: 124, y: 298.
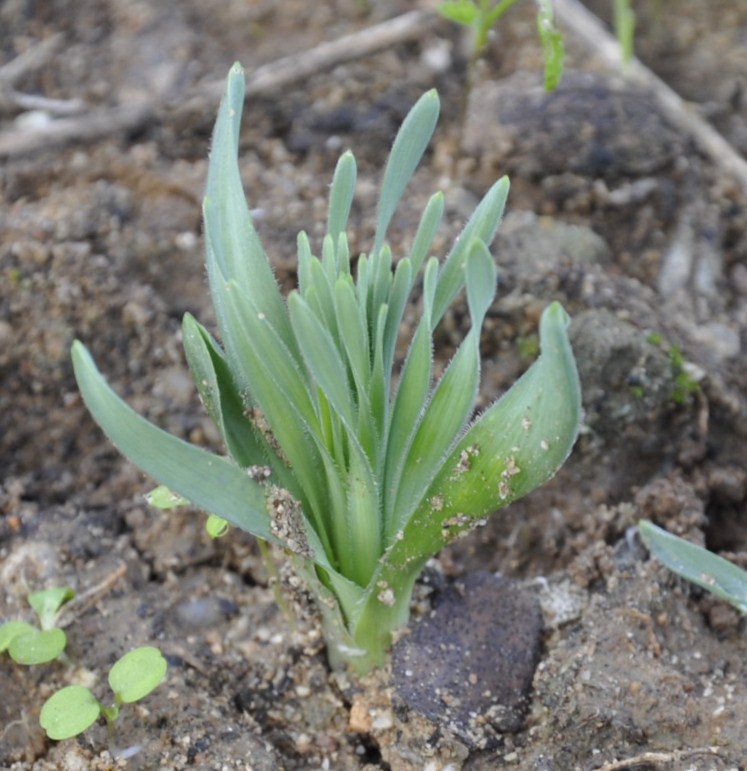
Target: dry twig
x: 270, y: 77
x: 657, y: 757
x: 678, y: 112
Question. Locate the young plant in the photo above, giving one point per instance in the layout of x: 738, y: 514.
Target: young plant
x: 704, y: 568
x: 360, y: 475
x: 74, y: 709
x: 27, y: 644
x: 482, y: 15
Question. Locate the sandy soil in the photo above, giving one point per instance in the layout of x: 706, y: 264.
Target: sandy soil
x: 613, y: 211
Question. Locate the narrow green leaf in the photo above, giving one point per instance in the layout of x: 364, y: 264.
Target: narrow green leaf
x: 408, y: 148
x: 215, y: 383
x: 281, y: 394
x: 235, y: 248
x: 322, y: 357
x: 430, y: 285
x: 305, y: 258
x: 482, y: 226
x: 409, y: 404
x: 321, y: 297
x: 427, y: 229
x: 480, y: 278
x: 704, y: 568
x: 397, y: 302
x: 513, y: 448
x: 379, y: 376
x: 137, y: 673
x: 553, y: 50
x: 446, y: 415
x: 380, y: 285
x: 353, y: 332
x: 69, y: 712
x: 341, y: 195
x: 210, y: 482
x: 343, y: 254
x: 364, y: 518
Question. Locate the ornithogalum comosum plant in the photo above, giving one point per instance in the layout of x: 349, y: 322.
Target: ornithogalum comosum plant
x: 360, y: 475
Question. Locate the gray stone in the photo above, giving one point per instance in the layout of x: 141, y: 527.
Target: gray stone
x: 468, y: 665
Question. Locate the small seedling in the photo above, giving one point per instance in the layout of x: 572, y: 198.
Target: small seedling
x: 74, y: 709
x: 360, y: 472
x: 27, y: 644
x: 624, y: 21
x: 704, y: 568
x: 686, y: 376
x: 482, y: 15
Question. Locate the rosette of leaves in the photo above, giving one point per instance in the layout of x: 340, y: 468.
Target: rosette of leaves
x: 359, y: 469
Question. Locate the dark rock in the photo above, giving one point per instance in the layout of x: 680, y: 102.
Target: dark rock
x: 468, y: 665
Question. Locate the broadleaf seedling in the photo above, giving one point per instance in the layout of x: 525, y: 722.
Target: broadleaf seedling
x: 358, y: 468
x: 73, y: 709
x: 28, y: 644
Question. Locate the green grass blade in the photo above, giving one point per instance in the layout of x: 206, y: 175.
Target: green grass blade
x: 215, y: 383
x: 341, y: 196
x: 427, y: 229
x: 208, y: 481
x: 305, y: 258
x: 446, y: 415
x: 482, y: 226
x: 698, y: 565
x: 414, y: 384
x: 322, y: 357
x: 364, y: 518
x: 235, y: 245
x: 513, y: 448
x: 400, y: 291
x: 480, y: 277
x: 407, y: 150
x: 353, y: 333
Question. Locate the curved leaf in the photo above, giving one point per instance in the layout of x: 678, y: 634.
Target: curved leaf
x: 408, y: 148
x: 208, y: 481
x: 137, y: 673
x: 514, y: 447
x: 704, y: 568
x: 69, y: 712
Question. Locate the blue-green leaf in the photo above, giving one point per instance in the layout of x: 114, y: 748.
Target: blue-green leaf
x: 482, y: 226
x: 322, y: 357
x: 234, y: 250
x: 341, y: 195
x: 513, y: 448
x: 210, y: 482
x: 427, y: 229
x: 408, y: 148
x: 214, y: 381
x: 704, y: 568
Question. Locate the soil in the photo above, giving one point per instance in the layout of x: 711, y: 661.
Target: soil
x: 613, y: 211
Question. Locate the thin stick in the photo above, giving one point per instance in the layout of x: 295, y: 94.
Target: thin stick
x: 268, y: 78
x: 81, y: 602
x: 657, y: 757
x: 357, y: 45
x: 588, y: 27
x: 33, y: 58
